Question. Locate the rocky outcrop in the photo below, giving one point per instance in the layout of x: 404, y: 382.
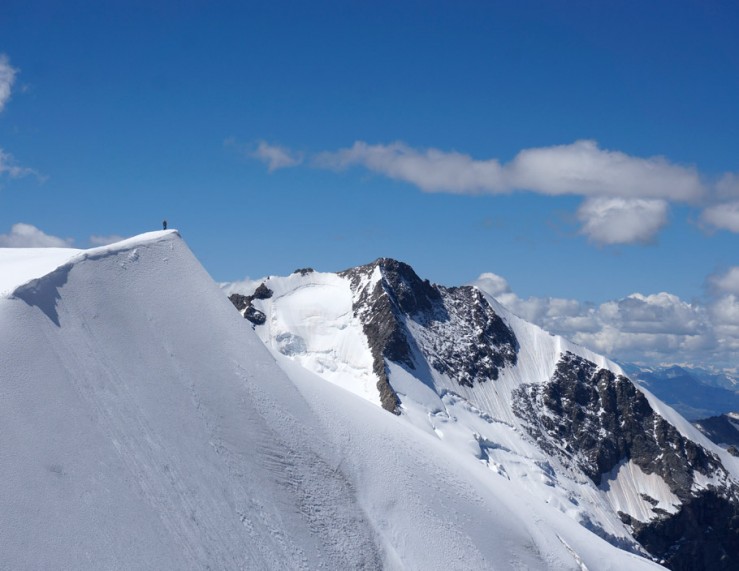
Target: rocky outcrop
x: 595, y: 419
x: 407, y: 319
x: 472, y: 343
x: 244, y: 304
x: 704, y: 534
x: 304, y: 271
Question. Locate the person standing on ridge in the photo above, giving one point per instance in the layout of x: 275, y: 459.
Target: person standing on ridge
x: 164, y: 224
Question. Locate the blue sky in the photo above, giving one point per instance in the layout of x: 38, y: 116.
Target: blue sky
x: 583, y: 151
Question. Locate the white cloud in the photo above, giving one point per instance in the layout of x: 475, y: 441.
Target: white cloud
x: 10, y: 167
x: 622, y: 220
x: 493, y: 284
x: 728, y: 186
x: 276, y: 157
x: 431, y: 170
x: 584, y: 169
x: 727, y: 282
x: 627, y: 198
x: 580, y: 168
x: 655, y: 328
x: 97, y: 240
x: 7, y: 79
x: 726, y: 311
x: 247, y: 286
x: 27, y: 236
x: 723, y: 216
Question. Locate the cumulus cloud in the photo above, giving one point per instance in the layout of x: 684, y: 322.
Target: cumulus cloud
x: 654, y: 328
x: 28, y: 236
x: 97, y: 240
x: 585, y: 169
x: 276, y: 157
x: 722, y: 216
x: 622, y: 220
x: 493, y: 284
x: 7, y: 79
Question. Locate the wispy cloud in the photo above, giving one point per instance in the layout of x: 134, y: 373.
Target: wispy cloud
x: 639, y: 328
x: 276, y: 157
x: 28, y: 236
x: 7, y: 79
x: 10, y: 167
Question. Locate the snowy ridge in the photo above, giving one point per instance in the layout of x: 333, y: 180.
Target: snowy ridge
x: 146, y: 426
x: 545, y: 419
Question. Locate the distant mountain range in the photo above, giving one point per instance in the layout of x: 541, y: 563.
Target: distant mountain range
x: 694, y: 392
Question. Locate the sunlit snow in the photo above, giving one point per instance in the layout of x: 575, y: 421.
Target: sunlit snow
x: 145, y: 426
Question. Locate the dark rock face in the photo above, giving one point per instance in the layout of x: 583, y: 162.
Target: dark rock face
x: 595, y: 419
x: 262, y: 292
x: 704, y: 534
x: 254, y: 315
x: 243, y: 304
x: 460, y: 334
x: 303, y: 271
x: 471, y: 344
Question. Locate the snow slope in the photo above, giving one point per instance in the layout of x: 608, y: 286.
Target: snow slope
x: 143, y: 425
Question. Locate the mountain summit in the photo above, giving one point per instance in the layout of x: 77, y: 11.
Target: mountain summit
x: 564, y: 423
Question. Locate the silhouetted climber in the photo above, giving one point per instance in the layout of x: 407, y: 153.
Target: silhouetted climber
x: 164, y: 224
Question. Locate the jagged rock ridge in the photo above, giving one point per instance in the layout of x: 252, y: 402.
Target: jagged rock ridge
x: 462, y: 336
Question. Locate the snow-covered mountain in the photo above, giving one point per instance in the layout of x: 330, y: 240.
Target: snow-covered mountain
x: 143, y: 425
x: 563, y: 427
